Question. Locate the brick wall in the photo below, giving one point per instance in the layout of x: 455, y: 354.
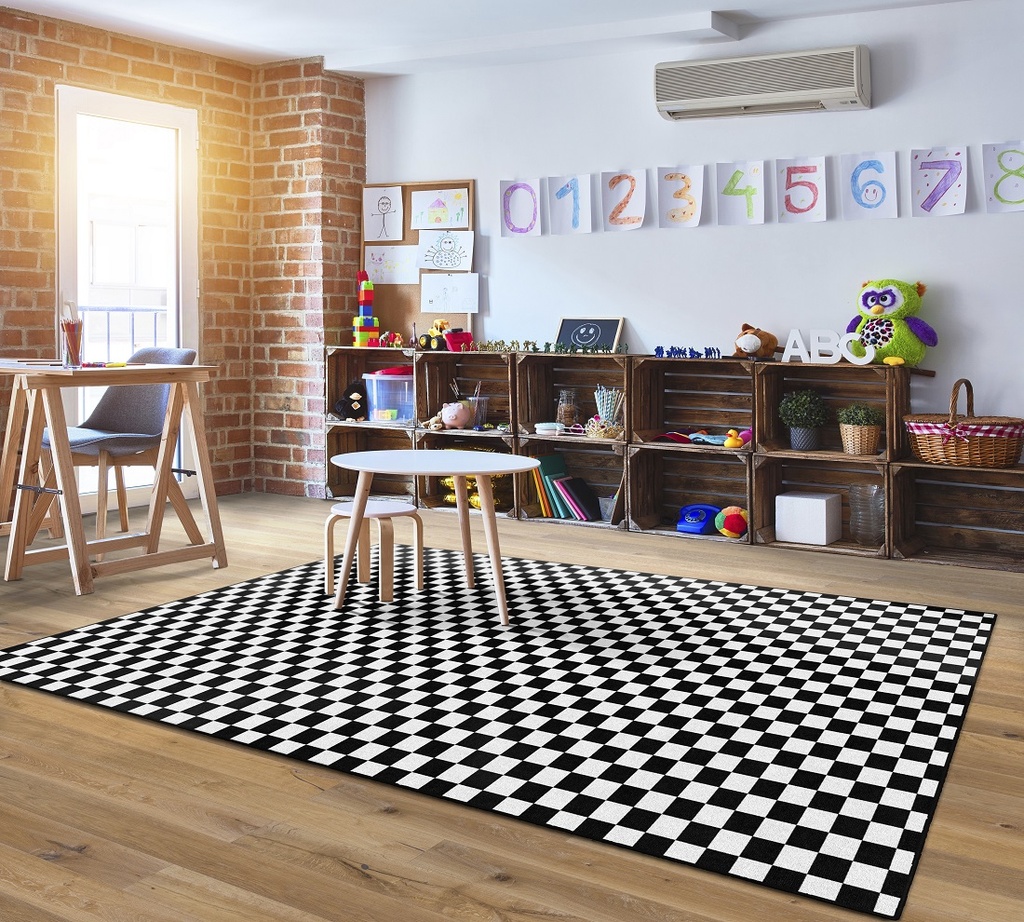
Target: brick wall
x: 281, y: 159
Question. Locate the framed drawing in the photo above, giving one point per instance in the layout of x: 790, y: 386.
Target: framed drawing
x: 600, y: 333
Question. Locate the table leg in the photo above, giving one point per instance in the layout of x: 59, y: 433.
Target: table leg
x: 355, y: 525
x: 462, y: 504
x: 483, y: 488
x: 9, y: 460
x: 70, y: 505
x: 165, y: 458
x: 204, y: 472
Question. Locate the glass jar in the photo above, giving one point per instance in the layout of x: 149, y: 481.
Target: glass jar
x: 867, y: 514
x: 568, y: 410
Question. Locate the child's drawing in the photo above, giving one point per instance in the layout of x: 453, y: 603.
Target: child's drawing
x: 440, y: 208
x: 449, y: 293
x: 382, y: 212
x: 391, y: 265
x: 451, y: 250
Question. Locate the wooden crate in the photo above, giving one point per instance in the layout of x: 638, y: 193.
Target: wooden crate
x: 344, y: 437
x: 599, y: 462
x: 662, y: 482
x: 348, y: 364
x: 775, y: 474
x: 541, y: 375
x: 439, y: 373
x: 685, y: 395
x: 434, y: 494
x: 969, y: 516
x: 883, y: 386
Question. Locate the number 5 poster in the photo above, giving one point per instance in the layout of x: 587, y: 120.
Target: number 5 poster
x: 800, y: 185
x: 868, y: 185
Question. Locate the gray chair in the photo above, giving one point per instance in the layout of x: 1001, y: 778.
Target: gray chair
x: 124, y: 430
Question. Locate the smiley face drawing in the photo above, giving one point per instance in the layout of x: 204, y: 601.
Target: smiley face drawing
x: 586, y: 334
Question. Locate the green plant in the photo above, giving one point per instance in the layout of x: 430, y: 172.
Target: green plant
x: 860, y: 414
x: 804, y: 409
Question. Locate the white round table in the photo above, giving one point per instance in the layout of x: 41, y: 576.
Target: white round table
x: 426, y: 462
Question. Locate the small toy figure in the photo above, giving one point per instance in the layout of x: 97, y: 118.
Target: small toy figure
x: 753, y: 343
x: 886, y: 320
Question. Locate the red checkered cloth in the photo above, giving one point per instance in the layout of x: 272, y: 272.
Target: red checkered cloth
x: 967, y: 430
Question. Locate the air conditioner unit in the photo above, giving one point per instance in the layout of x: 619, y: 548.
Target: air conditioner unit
x: 834, y: 79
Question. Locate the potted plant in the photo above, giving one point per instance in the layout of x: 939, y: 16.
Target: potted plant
x: 804, y: 412
x: 860, y: 426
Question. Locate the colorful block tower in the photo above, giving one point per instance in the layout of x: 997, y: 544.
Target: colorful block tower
x: 365, y: 327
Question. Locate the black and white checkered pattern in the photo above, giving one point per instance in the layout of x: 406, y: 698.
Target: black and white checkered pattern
x: 794, y: 739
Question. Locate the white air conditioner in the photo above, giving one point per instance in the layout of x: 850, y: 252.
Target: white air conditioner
x: 803, y: 81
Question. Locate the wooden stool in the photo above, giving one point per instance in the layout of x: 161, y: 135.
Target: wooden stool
x: 383, y: 511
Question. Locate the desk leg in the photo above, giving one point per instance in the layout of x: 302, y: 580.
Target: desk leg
x: 355, y: 526
x: 70, y: 505
x: 483, y: 488
x: 9, y: 460
x: 204, y: 472
x: 462, y: 504
x: 164, y: 460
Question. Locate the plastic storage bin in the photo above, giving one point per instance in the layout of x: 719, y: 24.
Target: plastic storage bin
x: 389, y: 398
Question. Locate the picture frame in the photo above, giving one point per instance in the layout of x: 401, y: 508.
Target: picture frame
x: 596, y: 333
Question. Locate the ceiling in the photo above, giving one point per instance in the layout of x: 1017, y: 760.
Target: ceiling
x: 412, y: 36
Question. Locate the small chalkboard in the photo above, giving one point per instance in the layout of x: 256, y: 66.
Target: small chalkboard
x: 600, y: 333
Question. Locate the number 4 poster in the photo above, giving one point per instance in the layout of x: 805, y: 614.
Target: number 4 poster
x: 740, y: 186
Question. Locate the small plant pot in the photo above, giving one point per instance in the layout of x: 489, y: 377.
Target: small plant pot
x: 801, y: 439
x: 860, y: 440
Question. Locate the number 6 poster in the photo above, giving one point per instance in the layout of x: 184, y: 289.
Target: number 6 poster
x: 867, y: 185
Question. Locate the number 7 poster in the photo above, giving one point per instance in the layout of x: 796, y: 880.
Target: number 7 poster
x: 938, y: 181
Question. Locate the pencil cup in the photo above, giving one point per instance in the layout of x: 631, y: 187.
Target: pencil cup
x: 71, y: 336
x: 479, y: 407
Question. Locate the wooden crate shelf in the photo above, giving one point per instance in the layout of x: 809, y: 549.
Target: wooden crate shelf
x: 540, y: 376
x: 345, y: 365
x: 968, y: 516
x: 433, y: 493
x: 686, y: 395
x: 345, y: 437
x: 775, y: 474
x: 883, y: 386
x: 661, y: 483
x: 438, y: 374
x: 599, y: 462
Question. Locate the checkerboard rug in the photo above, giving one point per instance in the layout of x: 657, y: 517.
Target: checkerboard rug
x: 789, y: 738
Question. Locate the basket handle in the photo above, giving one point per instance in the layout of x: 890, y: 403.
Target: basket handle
x: 953, y: 399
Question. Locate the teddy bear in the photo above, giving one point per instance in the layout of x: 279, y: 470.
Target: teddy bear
x: 753, y: 343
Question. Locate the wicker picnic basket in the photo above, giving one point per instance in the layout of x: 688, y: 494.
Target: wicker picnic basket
x: 978, y: 441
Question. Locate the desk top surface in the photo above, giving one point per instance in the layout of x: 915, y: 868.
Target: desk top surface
x: 54, y: 374
x: 434, y: 462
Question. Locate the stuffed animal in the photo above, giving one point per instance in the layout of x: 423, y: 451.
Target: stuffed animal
x: 456, y: 415
x: 351, y: 405
x: 887, y: 320
x: 753, y: 343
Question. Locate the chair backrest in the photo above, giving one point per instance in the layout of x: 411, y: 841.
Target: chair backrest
x: 138, y: 408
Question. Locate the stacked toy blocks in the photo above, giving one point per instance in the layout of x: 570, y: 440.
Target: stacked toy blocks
x: 365, y: 327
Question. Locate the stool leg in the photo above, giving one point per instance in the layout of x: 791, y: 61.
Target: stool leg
x: 329, y: 553
x: 417, y: 545
x: 386, y: 562
x: 363, y: 554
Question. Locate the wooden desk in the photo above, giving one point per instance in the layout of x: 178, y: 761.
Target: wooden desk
x: 435, y: 463
x: 36, y: 403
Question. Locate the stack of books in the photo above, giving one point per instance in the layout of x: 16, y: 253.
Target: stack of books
x: 563, y: 496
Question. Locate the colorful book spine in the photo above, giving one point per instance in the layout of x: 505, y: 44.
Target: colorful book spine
x: 577, y: 513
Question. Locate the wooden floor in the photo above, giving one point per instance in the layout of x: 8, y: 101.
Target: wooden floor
x: 106, y: 817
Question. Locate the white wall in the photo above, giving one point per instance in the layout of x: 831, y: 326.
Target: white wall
x: 941, y: 76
